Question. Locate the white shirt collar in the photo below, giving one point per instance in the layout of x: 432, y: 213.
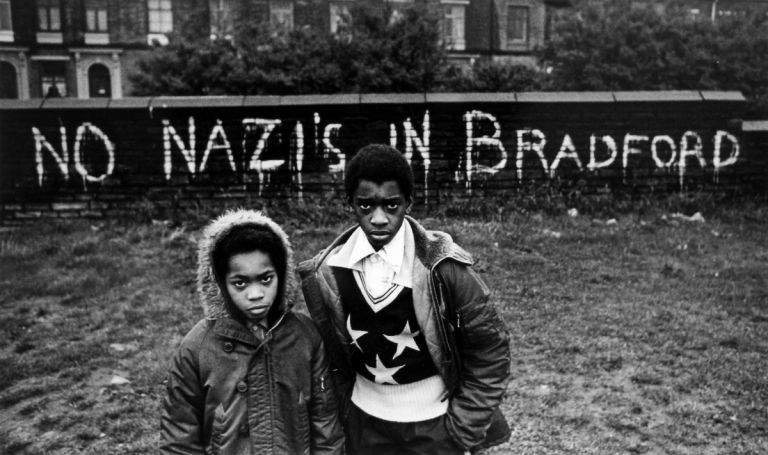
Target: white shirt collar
x: 398, y: 253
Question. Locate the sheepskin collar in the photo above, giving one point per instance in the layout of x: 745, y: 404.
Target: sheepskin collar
x: 208, y: 285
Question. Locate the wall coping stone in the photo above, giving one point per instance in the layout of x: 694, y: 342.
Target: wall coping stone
x: 261, y: 100
x: 565, y: 97
x: 74, y: 103
x: 142, y: 102
x: 472, y: 97
x: 754, y: 125
x: 34, y: 103
x: 393, y: 98
x: 712, y: 95
x: 658, y: 96
x: 163, y: 102
x: 373, y: 98
x: 311, y: 100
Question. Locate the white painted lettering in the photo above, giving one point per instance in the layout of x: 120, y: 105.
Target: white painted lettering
x: 610, y: 144
x: 110, y: 149
x: 421, y: 144
x: 295, y: 165
x: 332, y: 129
x: 629, y: 140
x: 531, y: 140
x: 218, y: 133
x: 41, y: 143
x: 717, y: 163
x: 262, y: 168
x: 567, y: 150
x: 492, y: 141
x: 188, y: 153
x: 655, y: 151
x: 690, y: 145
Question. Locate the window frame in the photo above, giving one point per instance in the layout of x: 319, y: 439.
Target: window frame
x: 159, y: 17
x: 280, y: 25
x: 341, y: 9
x: 526, y: 32
x: 221, y: 22
x: 59, y: 79
x: 5, y: 6
x: 97, y: 8
x: 451, y: 23
x: 48, y: 6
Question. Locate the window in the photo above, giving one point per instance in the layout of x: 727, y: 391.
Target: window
x: 222, y: 23
x: 48, y: 16
x: 517, y: 24
x: 96, y: 16
x: 8, y: 86
x: 160, y: 16
x: 339, y: 14
x: 5, y: 16
x: 281, y: 14
x: 99, y: 82
x: 453, y: 26
x: 53, y: 79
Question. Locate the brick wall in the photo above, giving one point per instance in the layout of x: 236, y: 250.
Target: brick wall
x: 97, y: 158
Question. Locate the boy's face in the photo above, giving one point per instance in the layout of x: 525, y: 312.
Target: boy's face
x: 252, y: 283
x: 379, y: 210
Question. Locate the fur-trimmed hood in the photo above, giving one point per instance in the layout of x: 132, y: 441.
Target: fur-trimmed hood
x: 209, y: 285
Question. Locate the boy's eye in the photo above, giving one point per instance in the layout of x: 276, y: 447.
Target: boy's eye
x: 364, y: 206
x: 238, y: 284
x: 267, y: 279
x: 393, y: 205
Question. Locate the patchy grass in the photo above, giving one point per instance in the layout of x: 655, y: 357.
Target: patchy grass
x: 647, y: 335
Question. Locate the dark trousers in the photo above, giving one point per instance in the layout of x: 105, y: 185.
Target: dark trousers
x: 368, y: 435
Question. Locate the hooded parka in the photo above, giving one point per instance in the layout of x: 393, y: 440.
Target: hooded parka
x: 229, y: 392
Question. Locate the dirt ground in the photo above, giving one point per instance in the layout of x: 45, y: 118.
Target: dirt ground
x: 634, y: 335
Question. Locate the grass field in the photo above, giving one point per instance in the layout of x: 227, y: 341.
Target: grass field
x: 644, y: 335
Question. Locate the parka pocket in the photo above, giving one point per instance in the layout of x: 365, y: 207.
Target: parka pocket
x: 226, y: 432
x: 294, y: 402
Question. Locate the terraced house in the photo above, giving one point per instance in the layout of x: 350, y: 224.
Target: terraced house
x: 86, y: 48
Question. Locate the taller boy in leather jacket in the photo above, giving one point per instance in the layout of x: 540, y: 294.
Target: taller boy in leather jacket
x: 419, y: 354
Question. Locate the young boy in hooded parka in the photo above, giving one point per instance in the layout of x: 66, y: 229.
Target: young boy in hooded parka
x: 251, y: 377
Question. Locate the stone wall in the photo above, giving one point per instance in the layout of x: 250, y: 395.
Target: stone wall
x: 100, y: 157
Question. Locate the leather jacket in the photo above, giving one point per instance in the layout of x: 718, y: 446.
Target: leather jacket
x: 230, y: 392
x: 466, y: 337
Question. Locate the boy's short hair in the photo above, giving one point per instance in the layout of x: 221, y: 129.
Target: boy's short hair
x: 246, y: 239
x: 378, y: 163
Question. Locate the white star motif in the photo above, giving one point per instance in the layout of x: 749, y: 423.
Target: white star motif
x: 406, y: 339
x: 382, y: 374
x: 355, y: 334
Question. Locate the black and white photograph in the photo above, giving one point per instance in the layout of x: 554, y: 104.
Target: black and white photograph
x: 384, y: 227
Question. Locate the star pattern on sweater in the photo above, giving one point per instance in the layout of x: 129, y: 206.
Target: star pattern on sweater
x: 355, y: 334
x: 405, y: 339
x: 382, y: 374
